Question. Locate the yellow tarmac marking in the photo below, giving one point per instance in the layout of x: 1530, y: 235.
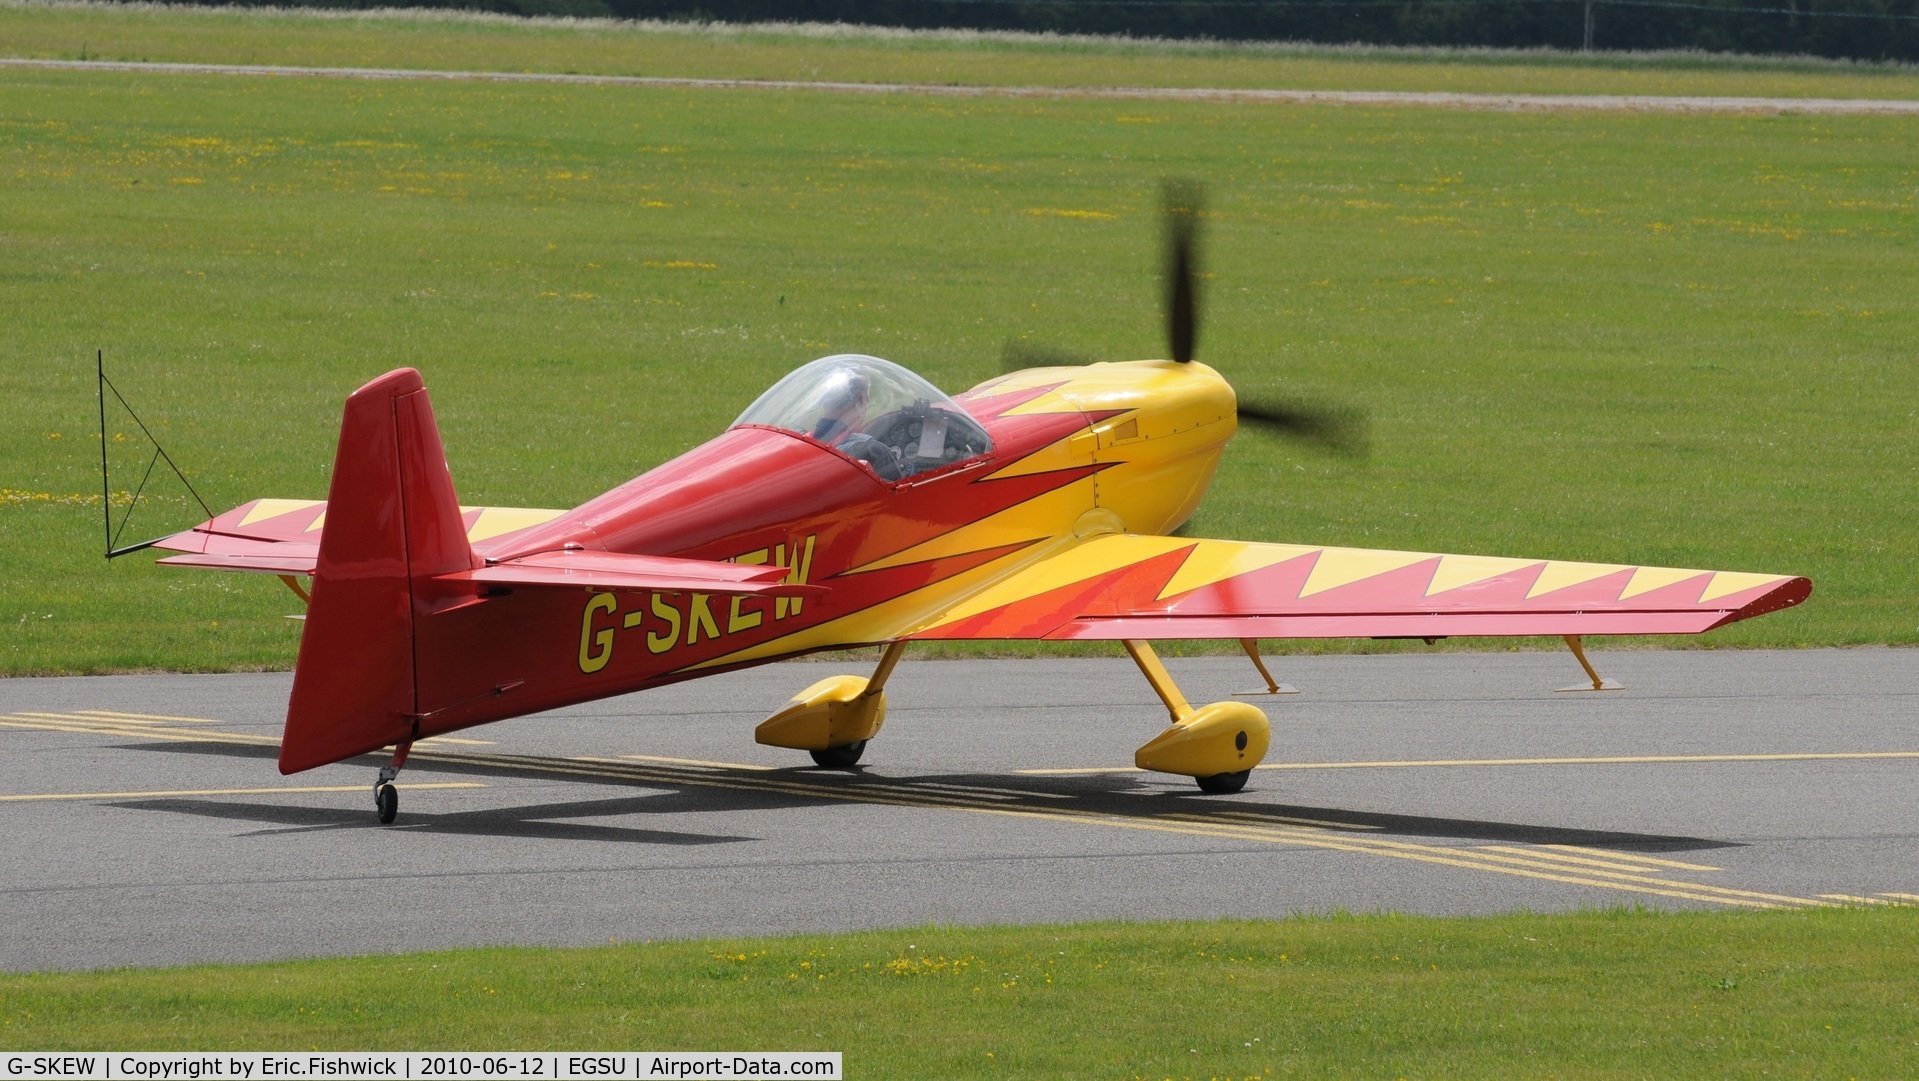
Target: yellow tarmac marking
x: 1000, y: 791
x: 1529, y: 859
x: 1617, y: 866
x: 451, y: 739
x: 1902, y: 896
x: 1216, y: 827
x: 224, y: 791
x: 1254, y: 816
x: 1607, y: 760
x: 1632, y: 856
x: 695, y: 762
x: 143, y: 729
x: 1476, y: 859
x: 1853, y: 899
x: 943, y: 790
x: 135, y: 716
x: 80, y: 717
x: 1302, y: 837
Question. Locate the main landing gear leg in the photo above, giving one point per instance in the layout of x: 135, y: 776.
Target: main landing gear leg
x: 386, y: 798
x: 1216, y: 745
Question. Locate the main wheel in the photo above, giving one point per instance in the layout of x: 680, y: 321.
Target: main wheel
x: 388, y: 801
x: 839, y: 757
x: 1224, y: 784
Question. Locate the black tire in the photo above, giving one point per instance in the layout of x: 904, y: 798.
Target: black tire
x: 841, y: 757
x: 388, y: 800
x: 1224, y: 784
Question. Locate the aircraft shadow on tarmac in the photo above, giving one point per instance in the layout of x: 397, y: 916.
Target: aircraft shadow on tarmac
x: 687, y: 790
x: 522, y: 822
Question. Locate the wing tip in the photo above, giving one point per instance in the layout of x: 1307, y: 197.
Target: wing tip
x: 1787, y: 594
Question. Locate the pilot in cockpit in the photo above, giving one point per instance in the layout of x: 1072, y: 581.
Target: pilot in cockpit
x: 843, y: 407
x: 872, y: 411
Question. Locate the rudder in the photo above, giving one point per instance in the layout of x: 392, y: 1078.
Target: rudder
x: 392, y: 521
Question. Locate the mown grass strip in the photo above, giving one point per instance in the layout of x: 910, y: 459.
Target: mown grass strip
x: 458, y: 40
x: 1593, y: 994
x: 1370, y: 98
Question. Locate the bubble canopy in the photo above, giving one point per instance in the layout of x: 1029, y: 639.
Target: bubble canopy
x: 873, y: 411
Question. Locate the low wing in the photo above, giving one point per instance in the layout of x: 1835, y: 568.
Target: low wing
x: 282, y: 536
x: 1118, y: 586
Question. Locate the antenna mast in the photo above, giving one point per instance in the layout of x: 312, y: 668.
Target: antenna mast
x: 159, y: 453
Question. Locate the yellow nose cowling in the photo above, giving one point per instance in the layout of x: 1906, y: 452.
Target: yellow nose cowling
x: 1163, y: 427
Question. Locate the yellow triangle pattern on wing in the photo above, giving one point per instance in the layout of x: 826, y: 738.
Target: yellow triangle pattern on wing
x: 1456, y: 571
x: 318, y: 522
x: 1216, y: 561
x: 496, y: 521
x: 1647, y: 579
x: 1344, y: 566
x: 273, y: 508
x: 1728, y: 582
x: 1559, y: 575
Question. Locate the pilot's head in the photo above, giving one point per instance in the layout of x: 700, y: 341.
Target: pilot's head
x: 842, y: 405
x: 848, y: 390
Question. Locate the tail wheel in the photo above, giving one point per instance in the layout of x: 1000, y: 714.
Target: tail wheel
x: 1224, y: 784
x: 841, y: 757
x: 387, y: 799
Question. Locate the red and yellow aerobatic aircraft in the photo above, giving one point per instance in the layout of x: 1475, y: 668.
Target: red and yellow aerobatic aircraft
x: 854, y: 504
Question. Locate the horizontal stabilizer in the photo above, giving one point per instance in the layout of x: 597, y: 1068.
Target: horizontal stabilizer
x: 292, y: 528
x: 284, y: 558
x: 619, y: 572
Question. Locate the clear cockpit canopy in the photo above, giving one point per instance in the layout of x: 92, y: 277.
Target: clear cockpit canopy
x: 873, y: 411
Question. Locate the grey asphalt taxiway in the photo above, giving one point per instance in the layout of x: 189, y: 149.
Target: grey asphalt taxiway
x: 145, y: 823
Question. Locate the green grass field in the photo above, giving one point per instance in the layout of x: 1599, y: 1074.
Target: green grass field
x: 1591, y: 995
x: 1677, y: 340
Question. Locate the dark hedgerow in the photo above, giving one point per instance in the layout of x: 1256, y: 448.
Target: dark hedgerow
x: 1848, y: 29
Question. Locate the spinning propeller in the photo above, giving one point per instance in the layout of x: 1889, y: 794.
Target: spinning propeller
x: 1342, y: 431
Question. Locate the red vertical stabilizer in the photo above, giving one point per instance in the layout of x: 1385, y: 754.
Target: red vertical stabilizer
x: 392, y: 521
